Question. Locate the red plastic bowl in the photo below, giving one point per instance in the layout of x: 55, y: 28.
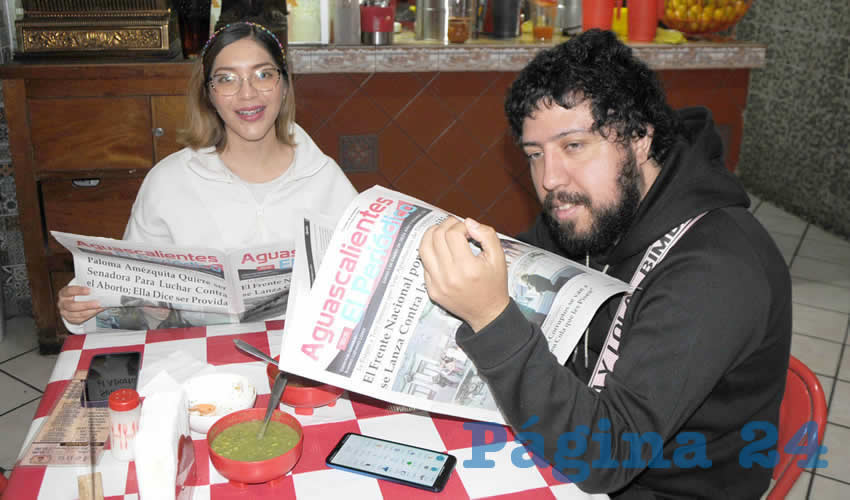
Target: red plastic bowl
x: 261, y: 471
x: 304, y: 394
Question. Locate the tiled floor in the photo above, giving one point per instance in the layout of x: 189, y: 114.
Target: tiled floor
x: 820, y: 269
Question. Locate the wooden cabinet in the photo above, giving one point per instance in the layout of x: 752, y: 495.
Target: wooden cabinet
x: 168, y: 112
x: 82, y: 139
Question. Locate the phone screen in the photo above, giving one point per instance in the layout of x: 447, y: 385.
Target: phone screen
x: 110, y: 372
x: 393, y: 461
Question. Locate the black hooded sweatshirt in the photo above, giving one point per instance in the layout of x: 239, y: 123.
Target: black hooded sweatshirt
x: 704, y: 348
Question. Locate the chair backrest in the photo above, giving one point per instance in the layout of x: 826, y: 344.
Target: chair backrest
x: 803, y: 402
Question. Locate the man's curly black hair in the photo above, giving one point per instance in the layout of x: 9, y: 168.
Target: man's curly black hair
x: 625, y: 96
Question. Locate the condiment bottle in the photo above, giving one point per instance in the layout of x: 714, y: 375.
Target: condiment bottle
x: 125, y: 411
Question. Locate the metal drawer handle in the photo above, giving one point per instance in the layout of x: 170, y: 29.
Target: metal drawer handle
x: 158, y: 132
x: 86, y: 183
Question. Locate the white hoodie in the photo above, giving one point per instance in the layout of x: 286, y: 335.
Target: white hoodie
x: 191, y: 199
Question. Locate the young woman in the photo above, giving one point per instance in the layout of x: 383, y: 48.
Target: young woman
x: 246, y: 167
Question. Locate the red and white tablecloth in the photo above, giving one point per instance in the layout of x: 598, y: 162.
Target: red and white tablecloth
x: 310, y: 478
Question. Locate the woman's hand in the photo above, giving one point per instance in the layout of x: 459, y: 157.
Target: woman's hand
x: 472, y: 287
x: 76, y: 312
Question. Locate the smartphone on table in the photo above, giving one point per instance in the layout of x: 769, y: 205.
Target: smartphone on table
x: 110, y: 372
x: 392, y: 461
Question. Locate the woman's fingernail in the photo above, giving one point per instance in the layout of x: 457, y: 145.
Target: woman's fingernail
x: 472, y: 223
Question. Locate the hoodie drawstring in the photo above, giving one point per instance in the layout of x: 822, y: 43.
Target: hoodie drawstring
x: 587, y: 330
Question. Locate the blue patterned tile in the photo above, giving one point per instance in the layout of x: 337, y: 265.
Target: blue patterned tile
x: 11, y: 242
x: 8, y: 196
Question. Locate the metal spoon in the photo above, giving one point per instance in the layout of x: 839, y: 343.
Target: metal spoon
x: 253, y: 351
x: 274, y: 401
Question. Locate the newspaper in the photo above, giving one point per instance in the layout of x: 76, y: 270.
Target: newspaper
x: 146, y: 286
x: 364, y: 321
x: 71, y: 434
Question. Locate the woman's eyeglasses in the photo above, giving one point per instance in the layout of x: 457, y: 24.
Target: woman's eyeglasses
x: 227, y: 84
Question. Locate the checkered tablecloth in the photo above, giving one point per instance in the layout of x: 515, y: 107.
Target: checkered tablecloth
x: 310, y: 478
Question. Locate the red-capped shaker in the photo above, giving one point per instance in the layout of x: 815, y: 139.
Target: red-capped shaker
x: 125, y: 410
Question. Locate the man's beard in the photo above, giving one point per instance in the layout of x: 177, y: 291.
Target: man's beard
x: 608, y: 224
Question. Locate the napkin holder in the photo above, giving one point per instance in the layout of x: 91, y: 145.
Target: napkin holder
x: 165, y: 454
x: 85, y: 28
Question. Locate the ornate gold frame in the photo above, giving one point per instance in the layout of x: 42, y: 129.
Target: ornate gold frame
x: 110, y: 27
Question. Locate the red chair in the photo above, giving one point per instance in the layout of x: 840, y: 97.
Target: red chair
x: 3, y: 482
x: 803, y: 402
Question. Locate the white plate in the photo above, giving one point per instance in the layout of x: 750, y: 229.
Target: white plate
x: 226, y: 392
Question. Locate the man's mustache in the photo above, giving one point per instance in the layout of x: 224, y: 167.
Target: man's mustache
x: 563, y: 197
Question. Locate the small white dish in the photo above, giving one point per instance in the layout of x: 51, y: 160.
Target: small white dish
x: 215, y: 395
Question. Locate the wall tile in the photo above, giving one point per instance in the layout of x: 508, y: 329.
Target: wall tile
x: 455, y: 150
x: 460, y: 91
x: 364, y: 180
x: 425, y: 119
x: 393, y: 91
x: 509, y: 210
x: 484, y: 181
x: 457, y: 201
x: 16, y: 289
x: 398, y: 151
x: 424, y: 180
x: 358, y: 115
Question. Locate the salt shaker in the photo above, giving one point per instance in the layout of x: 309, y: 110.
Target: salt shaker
x: 125, y: 411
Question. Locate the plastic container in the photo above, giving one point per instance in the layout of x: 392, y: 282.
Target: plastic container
x: 125, y: 410
x: 303, y: 394
x: 597, y: 14
x: 642, y: 20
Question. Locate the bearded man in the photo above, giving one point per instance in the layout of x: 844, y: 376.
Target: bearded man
x: 669, y: 377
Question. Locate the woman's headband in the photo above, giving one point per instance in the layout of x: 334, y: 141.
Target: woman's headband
x: 255, y: 25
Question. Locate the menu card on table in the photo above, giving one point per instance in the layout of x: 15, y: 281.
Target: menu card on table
x: 71, y: 434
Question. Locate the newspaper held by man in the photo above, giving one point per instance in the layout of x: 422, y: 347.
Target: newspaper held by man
x: 146, y: 286
x: 367, y: 324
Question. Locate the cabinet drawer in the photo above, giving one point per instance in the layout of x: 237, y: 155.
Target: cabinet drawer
x: 92, y: 206
x: 91, y: 133
x: 169, y: 115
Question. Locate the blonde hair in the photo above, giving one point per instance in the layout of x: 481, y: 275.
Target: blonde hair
x: 204, y: 128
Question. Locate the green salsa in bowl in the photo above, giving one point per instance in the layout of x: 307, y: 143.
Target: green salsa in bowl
x: 239, y: 441
x: 237, y: 455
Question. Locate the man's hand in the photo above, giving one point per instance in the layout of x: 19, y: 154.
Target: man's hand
x: 472, y: 287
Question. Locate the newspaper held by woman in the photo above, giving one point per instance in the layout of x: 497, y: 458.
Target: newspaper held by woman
x: 364, y: 321
x: 145, y: 286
